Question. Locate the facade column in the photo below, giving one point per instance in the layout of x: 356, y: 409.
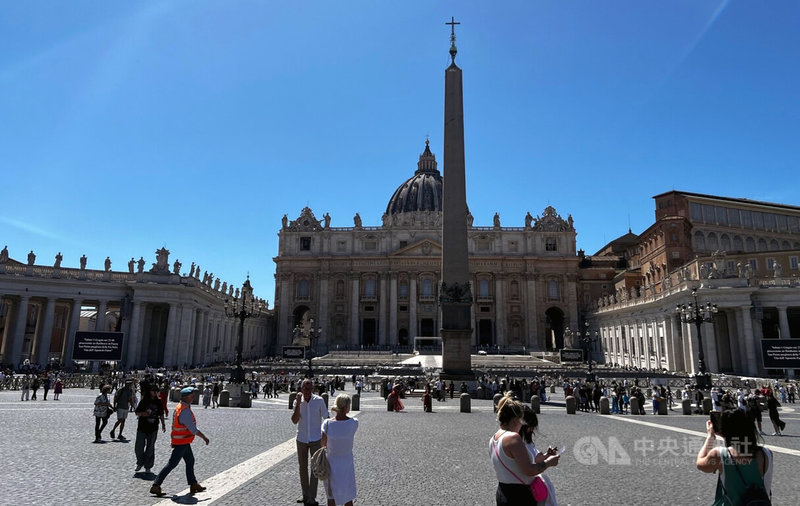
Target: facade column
x: 355, y: 321
x: 322, y: 312
x: 134, y: 335
x: 393, y: 337
x: 660, y: 336
x: 412, y: 307
x: 691, y: 331
x: 783, y: 320
x: 675, y: 344
x: 536, y: 341
x: 641, y: 331
x: 284, y: 304
x: 499, y: 311
x: 100, y: 321
x: 45, y: 333
x: 383, y: 324
x: 74, y: 323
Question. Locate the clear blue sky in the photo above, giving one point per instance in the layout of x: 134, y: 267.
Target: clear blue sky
x: 128, y: 126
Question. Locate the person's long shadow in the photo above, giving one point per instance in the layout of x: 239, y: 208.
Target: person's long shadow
x: 145, y: 476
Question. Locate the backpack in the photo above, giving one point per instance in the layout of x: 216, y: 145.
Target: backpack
x: 755, y: 494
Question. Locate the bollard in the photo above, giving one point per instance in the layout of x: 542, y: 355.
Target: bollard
x: 687, y: 406
x: 325, y: 398
x: 635, y: 408
x: 245, y: 401
x: 355, y: 402
x: 465, y: 403
x: 479, y: 393
x: 648, y: 393
x: 224, y: 399
x: 552, y: 389
x: 390, y: 403
x: 196, y: 399
x: 535, y: 406
x: 572, y: 403
x: 175, y: 395
x: 604, y: 406
x: 706, y: 405
x: 663, y: 404
x: 292, y: 397
x: 495, y: 400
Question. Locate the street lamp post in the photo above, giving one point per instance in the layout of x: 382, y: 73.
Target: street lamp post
x: 242, y: 309
x: 698, y: 314
x: 588, y: 341
x: 311, y: 334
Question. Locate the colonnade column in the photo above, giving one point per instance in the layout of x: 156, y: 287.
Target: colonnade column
x: 171, y: 338
x: 710, y: 344
x: 18, y: 337
x: 737, y: 353
x: 74, y: 323
x: 135, y: 335
x: 100, y: 320
x: 786, y: 333
x: 322, y: 312
x: 749, y: 339
x: 45, y: 333
x: 676, y: 341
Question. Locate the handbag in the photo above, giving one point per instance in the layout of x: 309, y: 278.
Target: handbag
x: 319, y: 464
x: 537, y: 485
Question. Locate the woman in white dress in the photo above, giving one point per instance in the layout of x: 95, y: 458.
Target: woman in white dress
x: 337, y: 437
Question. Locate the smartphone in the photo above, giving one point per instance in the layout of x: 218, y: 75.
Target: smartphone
x: 716, y: 416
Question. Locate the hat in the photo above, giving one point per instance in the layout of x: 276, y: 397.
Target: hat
x: 187, y: 391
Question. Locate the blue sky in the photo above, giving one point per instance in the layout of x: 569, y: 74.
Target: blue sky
x: 128, y: 126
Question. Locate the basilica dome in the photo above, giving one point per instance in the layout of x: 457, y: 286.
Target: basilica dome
x: 422, y: 192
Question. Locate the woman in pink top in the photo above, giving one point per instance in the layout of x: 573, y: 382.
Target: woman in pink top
x: 510, y: 459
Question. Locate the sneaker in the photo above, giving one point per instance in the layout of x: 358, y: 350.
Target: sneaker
x: 138, y: 467
x: 774, y: 433
x: 196, y: 488
x: 122, y: 438
x: 156, y: 490
x: 762, y: 433
x: 112, y: 434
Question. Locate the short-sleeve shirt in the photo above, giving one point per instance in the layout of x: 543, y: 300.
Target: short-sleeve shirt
x: 312, y: 413
x: 149, y: 423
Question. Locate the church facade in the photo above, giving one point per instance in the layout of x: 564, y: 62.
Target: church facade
x: 378, y: 285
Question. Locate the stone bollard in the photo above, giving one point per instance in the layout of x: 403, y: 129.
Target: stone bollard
x: 663, y: 406
x: 648, y: 393
x: 175, y: 395
x: 604, y: 406
x: 355, y: 402
x: 572, y: 403
x: 495, y: 400
x: 292, y: 397
x: 535, y: 406
x: 479, y: 394
x: 687, y: 406
x: 706, y: 405
x: 552, y: 389
x: 196, y: 399
x: 635, y: 408
x: 325, y: 397
x: 465, y: 403
x: 390, y: 403
x: 245, y: 401
x: 224, y: 399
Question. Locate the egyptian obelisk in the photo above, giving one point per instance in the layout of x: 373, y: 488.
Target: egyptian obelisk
x: 455, y: 296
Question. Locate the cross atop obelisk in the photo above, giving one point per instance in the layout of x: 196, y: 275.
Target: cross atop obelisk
x: 455, y: 295
x: 453, y: 49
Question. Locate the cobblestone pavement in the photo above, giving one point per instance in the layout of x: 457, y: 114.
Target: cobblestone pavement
x: 439, y: 458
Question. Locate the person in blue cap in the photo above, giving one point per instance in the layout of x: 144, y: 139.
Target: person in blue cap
x: 184, y: 430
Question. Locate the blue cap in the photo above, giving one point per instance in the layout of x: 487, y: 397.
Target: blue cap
x: 187, y: 391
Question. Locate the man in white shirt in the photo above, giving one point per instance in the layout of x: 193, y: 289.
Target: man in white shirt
x: 308, y: 414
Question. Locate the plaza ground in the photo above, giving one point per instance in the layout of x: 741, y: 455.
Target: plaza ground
x: 418, y: 458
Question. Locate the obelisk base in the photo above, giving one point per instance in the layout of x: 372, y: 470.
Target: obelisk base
x: 456, y: 350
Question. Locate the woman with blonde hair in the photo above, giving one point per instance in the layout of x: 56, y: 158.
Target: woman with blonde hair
x: 338, y: 434
x: 510, y: 459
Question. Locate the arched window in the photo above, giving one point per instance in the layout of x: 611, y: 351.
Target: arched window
x: 340, y: 288
x: 738, y: 245
x: 711, y: 240
x: 302, y: 289
x: 483, y: 288
x: 749, y: 244
x: 403, y: 289
x: 427, y: 287
x: 514, y: 289
x: 725, y: 242
x: 699, y: 240
x: 552, y: 289
x: 369, y: 288
x: 762, y: 244
x: 773, y: 245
